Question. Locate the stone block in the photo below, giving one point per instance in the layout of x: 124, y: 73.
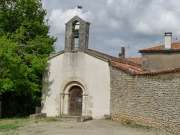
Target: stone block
x: 38, y: 115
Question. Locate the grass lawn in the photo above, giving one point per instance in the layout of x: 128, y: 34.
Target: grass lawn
x: 10, y: 126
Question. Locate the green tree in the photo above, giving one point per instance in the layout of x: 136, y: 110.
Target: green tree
x: 24, y: 49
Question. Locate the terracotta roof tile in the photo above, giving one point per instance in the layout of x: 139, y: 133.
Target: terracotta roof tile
x: 128, y: 65
x: 111, y: 58
x: 175, y: 47
x: 137, y: 60
x: 133, y: 70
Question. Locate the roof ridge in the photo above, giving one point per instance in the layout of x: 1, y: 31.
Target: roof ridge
x: 175, y: 47
x: 113, y: 58
x: 124, y: 64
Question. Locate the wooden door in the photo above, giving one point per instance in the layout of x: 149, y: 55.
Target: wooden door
x: 75, y: 101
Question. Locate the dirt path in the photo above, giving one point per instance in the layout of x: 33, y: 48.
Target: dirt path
x: 94, y: 127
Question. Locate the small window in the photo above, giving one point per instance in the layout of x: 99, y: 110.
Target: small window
x: 76, y: 27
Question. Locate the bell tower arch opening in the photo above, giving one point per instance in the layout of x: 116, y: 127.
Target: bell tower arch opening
x: 76, y: 35
x: 76, y: 27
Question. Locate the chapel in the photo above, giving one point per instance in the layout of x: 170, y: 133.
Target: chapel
x: 83, y: 82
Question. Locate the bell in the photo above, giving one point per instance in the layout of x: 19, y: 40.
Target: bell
x: 76, y: 34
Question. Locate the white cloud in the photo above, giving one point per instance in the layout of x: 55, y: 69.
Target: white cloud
x: 145, y: 17
x: 110, y: 2
x: 158, y: 18
x: 58, y: 18
x: 129, y: 20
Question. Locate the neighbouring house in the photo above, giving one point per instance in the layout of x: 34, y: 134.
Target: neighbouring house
x: 83, y: 82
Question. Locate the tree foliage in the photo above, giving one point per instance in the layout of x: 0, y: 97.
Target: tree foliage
x: 24, y: 48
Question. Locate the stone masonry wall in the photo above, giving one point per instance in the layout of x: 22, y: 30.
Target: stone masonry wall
x: 147, y: 100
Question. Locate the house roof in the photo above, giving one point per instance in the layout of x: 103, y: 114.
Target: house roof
x: 159, y: 48
x: 129, y: 65
x: 133, y: 70
x: 113, y: 59
x: 137, y: 60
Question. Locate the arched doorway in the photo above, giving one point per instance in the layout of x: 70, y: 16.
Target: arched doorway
x: 75, y: 101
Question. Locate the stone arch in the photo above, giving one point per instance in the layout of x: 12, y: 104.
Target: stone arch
x: 74, y: 83
x: 64, y: 98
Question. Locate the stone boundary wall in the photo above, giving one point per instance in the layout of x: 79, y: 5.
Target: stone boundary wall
x: 146, y: 100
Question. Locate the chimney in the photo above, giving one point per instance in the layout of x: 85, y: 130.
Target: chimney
x: 167, y: 40
x: 122, y: 53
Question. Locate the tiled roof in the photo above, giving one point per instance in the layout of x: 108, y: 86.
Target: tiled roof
x: 128, y: 65
x: 137, y: 60
x: 111, y: 58
x: 175, y: 47
x: 132, y: 69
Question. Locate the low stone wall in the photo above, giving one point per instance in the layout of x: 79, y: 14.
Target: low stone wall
x: 146, y: 100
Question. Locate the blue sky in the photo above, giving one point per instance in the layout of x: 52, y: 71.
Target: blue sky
x: 133, y: 24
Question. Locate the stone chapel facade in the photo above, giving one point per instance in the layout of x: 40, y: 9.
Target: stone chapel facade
x: 84, y: 82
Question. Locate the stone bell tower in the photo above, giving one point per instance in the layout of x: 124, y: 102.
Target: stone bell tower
x: 76, y: 35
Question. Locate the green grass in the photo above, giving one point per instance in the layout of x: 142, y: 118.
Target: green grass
x: 11, y: 125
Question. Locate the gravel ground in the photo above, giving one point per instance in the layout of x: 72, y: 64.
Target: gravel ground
x: 94, y: 127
